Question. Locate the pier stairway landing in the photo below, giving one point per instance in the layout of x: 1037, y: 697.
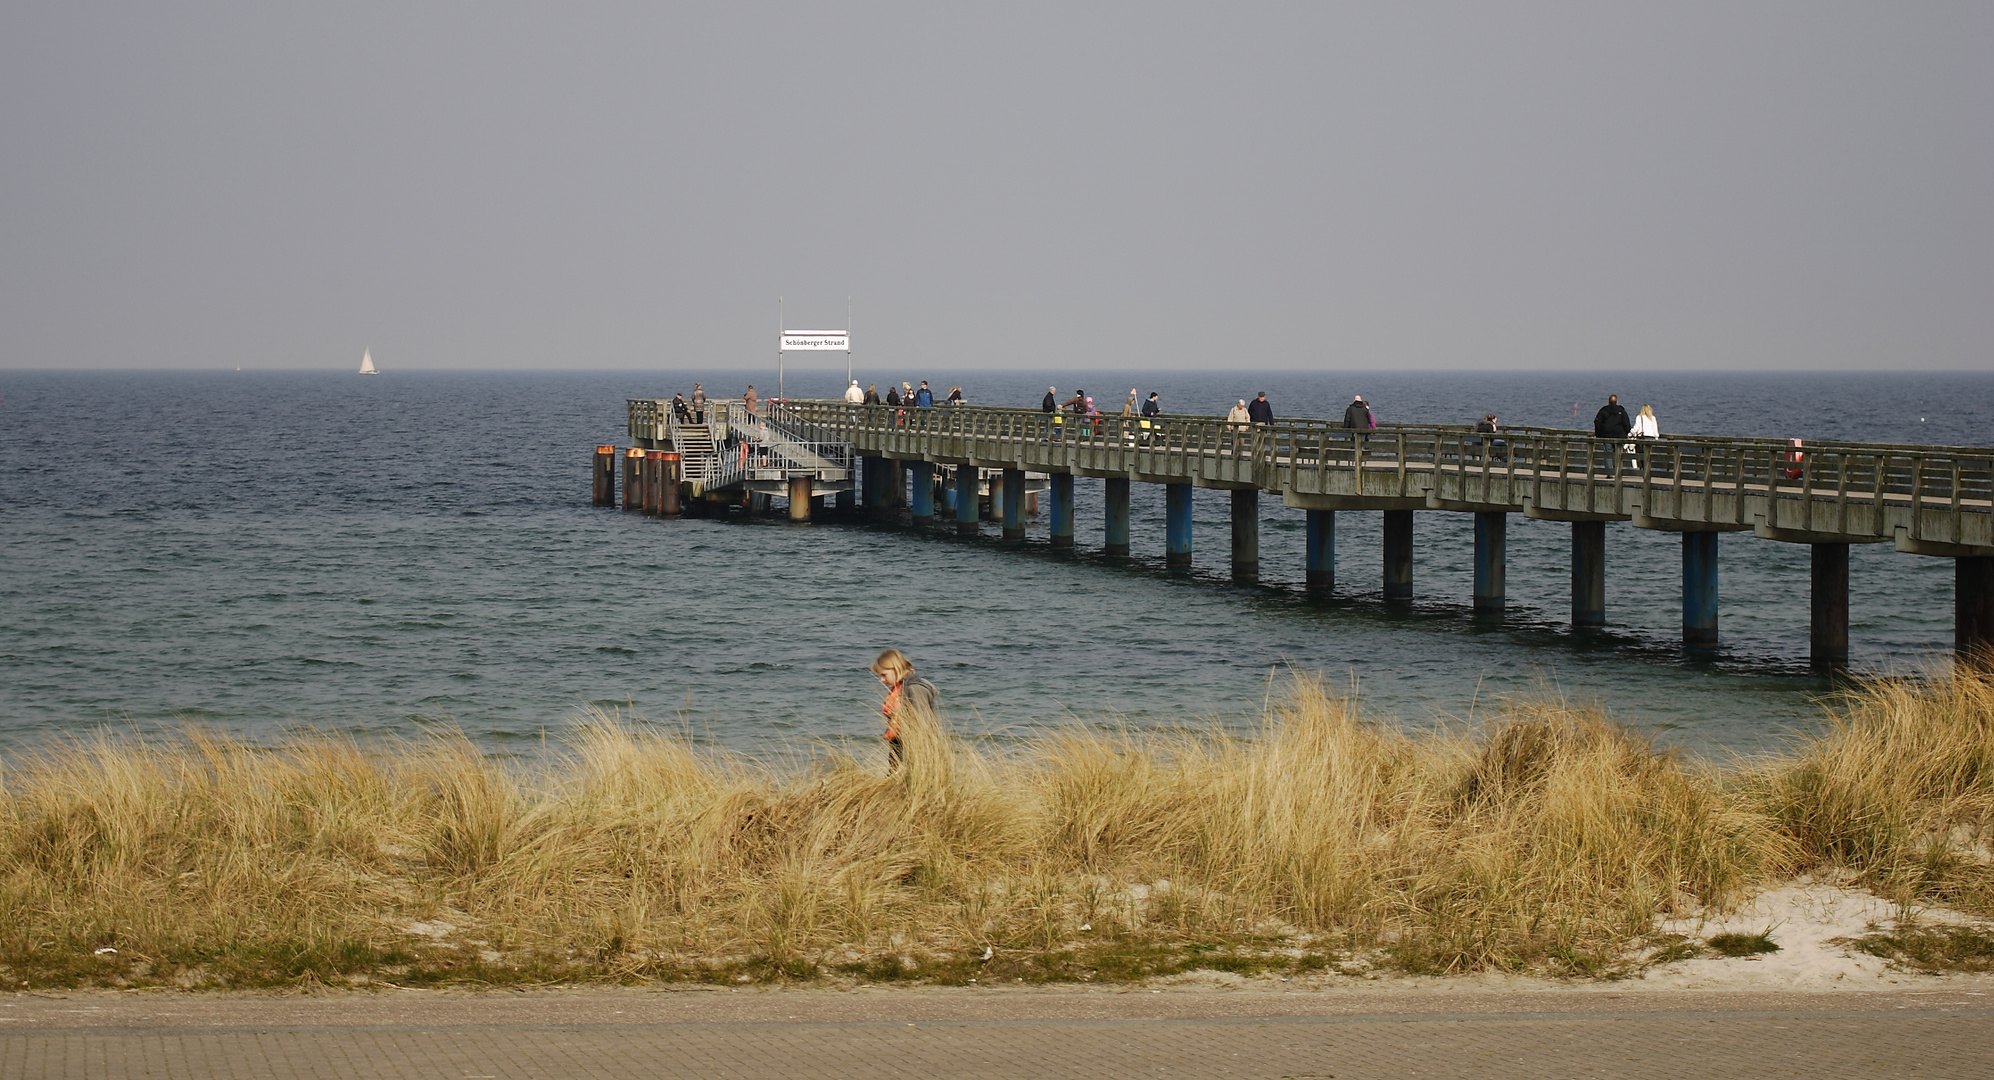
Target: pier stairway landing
x: 736, y: 453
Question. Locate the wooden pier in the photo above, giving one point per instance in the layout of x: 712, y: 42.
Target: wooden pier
x: 1932, y: 501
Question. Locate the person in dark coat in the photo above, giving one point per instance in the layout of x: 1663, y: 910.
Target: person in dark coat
x: 871, y: 394
x: 1150, y: 407
x: 1358, y: 415
x: 1259, y: 411
x: 1611, y: 421
x: 1051, y: 402
x: 1077, y: 403
x: 892, y: 395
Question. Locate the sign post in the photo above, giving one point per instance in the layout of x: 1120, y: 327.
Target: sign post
x: 813, y: 341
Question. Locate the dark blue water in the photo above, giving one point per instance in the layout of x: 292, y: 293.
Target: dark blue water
x: 259, y: 551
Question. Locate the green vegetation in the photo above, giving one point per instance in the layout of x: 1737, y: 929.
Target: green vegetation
x: 1933, y: 948
x: 1736, y: 945
x: 1547, y: 840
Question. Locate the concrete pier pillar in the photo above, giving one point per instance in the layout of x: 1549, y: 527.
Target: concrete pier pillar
x: 1398, y: 554
x: 1491, y: 561
x: 896, y: 483
x: 966, y: 495
x: 633, y: 479
x: 1116, y: 495
x: 1319, y: 559
x: 996, y: 499
x: 1828, y: 603
x: 605, y: 476
x: 1245, y: 536
x: 924, y: 492
x: 872, y: 478
x: 668, y: 484
x: 801, y: 497
x: 1062, y: 510
x: 1588, y: 573
x: 758, y: 504
x: 1973, y: 610
x: 1014, y: 504
x: 1177, y: 526
x: 1699, y: 588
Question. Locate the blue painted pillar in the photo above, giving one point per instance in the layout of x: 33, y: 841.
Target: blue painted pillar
x: 1320, y: 556
x: 1828, y: 603
x: 1177, y: 525
x: 948, y: 499
x: 967, y: 479
x: 1491, y: 563
x: 1398, y: 554
x: 1973, y: 610
x: 924, y: 492
x: 1014, y: 504
x: 1245, y: 536
x: 1062, y: 510
x: 1699, y: 588
x: 997, y: 497
x: 1117, y: 498
x: 1588, y: 573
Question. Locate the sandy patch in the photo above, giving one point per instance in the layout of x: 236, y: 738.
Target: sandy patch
x: 1804, y: 919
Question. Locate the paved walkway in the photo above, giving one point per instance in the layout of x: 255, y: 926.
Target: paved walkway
x: 1346, y: 1034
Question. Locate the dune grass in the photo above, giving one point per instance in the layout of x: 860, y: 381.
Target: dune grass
x: 1546, y: 839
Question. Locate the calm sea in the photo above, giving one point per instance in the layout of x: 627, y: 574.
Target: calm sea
x: 260, y: 552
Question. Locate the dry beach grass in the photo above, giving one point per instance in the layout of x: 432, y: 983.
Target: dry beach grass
x: 1546, y: 839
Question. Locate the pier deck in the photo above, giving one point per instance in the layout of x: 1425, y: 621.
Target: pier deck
x: 1923, y: 500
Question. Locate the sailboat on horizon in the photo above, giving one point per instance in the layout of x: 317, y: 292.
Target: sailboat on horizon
x: 367, y: 363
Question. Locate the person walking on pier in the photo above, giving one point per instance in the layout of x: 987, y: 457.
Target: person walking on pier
x: 1357, y: 416
x: 905, y: 691
x: 1644, y: 424
x: 892, y: 396
x: 871, y: 394
x: 853, y: 394
x: 924, y: 398
x: 699, y: 403
x: 1076, y: 404
x: 1611, y: 421
x: 1051, y: 402
x: 1237, y: 415
x: 1260, y: 412
x: 679, y: 409
x: 1151, y: 408
x: 955, y: 397
x: 749, y: 398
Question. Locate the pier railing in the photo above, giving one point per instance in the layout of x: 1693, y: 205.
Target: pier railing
x: 1923, y: 497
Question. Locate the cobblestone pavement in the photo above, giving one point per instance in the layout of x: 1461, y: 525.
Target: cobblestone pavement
x: 819, y: 1033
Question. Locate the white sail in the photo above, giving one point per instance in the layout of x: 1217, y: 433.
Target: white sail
x: 367, y: 363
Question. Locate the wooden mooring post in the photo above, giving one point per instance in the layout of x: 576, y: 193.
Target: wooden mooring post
x: 605, y: 476
x: 633, y: 479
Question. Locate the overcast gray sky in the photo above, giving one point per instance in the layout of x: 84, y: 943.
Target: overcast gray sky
x: 1475, y: 185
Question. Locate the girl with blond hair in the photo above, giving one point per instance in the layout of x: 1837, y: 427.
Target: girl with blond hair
x: 904, y: 690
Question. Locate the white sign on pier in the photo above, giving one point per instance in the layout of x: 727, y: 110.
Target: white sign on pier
x: 816, y: 341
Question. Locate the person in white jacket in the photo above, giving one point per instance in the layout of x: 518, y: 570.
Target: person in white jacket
x: 853, y: 394
x: 1644, y: 424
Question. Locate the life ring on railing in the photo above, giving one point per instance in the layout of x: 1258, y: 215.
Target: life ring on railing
x: 1794, y: 456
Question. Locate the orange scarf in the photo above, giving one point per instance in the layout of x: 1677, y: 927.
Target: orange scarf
x: 891, y: 706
